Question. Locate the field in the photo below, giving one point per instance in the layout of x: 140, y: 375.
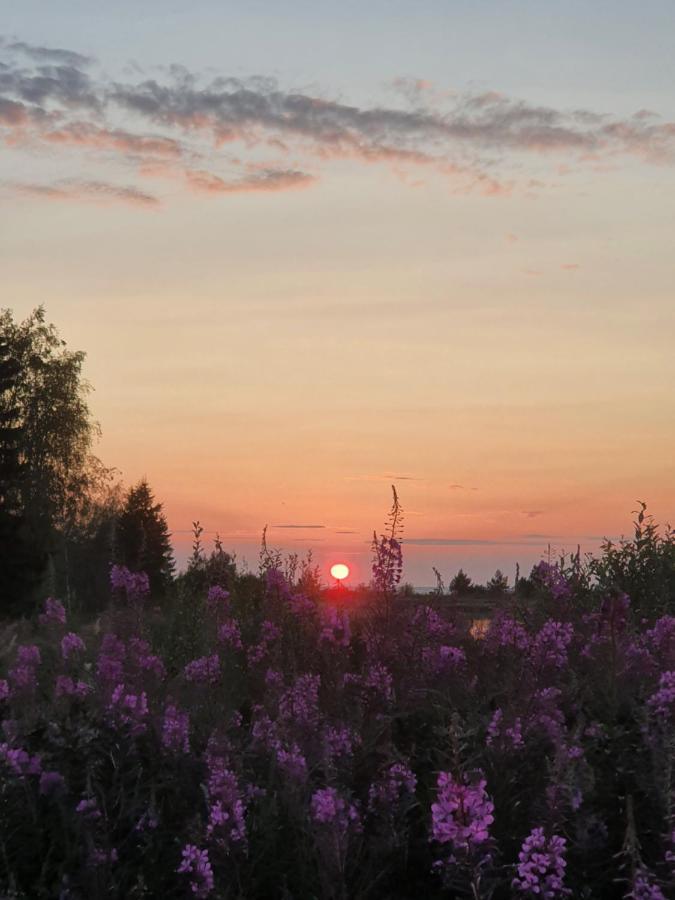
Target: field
x: 251, y: 740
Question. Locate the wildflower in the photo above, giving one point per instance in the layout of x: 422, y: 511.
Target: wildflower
x: 553, y: 579
x: 129, y: 709
x: 98, y: 857
x: 292, y: 763
x: 19, y: 761
x: 217, y: 597
x: 226, y: 823
x: 54, y: 613
x: 329, y: 808
x: 550, y: 644
x: 644, y: 888
x: 175, y: 730
x: 541, y: 866
x: 205, y: 670
x: 51, y: 783
x: 135, y: 584
x: 229, y: 633
x: 663, y: 700
x: 397, y: 782
x: 110, y: 663
x: 65, y: 686
x: 378, y: 679
x: 300, y: 703
x: 338, y: 742
x: 462, y: 814
x: 88, y: 809
x: 71, y: 643
x: 196, y: 864
x: 145, y: 660
x: 4, y: 689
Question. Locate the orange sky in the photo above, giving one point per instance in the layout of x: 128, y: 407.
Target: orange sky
x: 281, y: 322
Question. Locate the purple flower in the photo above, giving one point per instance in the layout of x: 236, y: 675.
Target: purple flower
x: 135, y: 584
x: 338, y: 742
x: 175, y: 730
x: 663, y: 701
x: 217, y: 597
x: 88, y: 809
x: 549, y: 647
x: 51, y: 783
x: 129, y: 709
x: 229, y: 634
x: 462, y: 813
x: 66, y: 687
x: 644, y: 888
x: 327, y: 807
x: 110, y: 664
x: 4, y: 689
x: 54, y: 613
x: 300, y: 703
x: 71, y: 643
x: 195, y: 863
x: 292, y: 763
x: 541, y: 866
x: 19, y: 761
x: 398, y: 781
x: 552, y: 578
x: 205, y: 670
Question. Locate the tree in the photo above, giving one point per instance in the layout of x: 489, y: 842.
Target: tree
x: 142, y: 539
x: 498, y: 585
x: 44, y: 406
x: 461, y: 584
x: 21, y: 561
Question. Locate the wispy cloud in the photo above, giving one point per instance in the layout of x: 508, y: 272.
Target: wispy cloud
x: 298, y: 526
x: 96, y: 191
x: 231, y: 135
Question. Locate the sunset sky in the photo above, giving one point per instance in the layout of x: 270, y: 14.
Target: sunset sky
x: 314, y: 249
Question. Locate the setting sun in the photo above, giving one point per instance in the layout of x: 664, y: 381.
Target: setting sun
x: 339, y: 571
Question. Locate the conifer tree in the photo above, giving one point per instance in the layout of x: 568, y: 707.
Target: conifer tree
x: 142, y: 539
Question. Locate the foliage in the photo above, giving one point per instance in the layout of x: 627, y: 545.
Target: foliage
x: 251, y: 741
x: 142, y: 539
x: 461, y: 584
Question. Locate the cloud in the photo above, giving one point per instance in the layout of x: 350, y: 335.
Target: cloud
x: 53, y: 98
x: 96, y: 191
x: 48, y: 54
x: 346, y: 532
x: 451, y: 542
x: 267, y: 180
x: 533, y: 513
x: 570, y: 266
x: 298, y: 526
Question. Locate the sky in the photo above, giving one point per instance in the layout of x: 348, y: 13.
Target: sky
x: 316, y: 249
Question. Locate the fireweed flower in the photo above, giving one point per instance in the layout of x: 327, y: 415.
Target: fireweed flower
x: 217, y: 597
x: 4, y: 689
x: 19, y: 761
x: 292, y: 763
x: 338, y: 743
x: 505, y: 632
x: 327, y: 807
x: 396, y: 783
x: 230, y: 634
x: 277, y: 584
x: 205, y: 670
x: 552, y: 578
x: 144, y: 659
x: 175, y: 730
x: 71, y: 643
x: 136, y: 585
x: 226, y: 824
x: 65, y: 686
x: 51, y: 783
x: 54, y: 613
x: 99, y: 857
x: 462, y: 813
x: 662, y: 702
x: 541, y: 866
x: 196, y: 864
x: 129, y: 709
x: 550, y: 644
x: 300, y: 703
x: 110, y: 663
x: 88, y: 809
x: 23, y: 676
x: 378, y: 680
x: 644, y: 888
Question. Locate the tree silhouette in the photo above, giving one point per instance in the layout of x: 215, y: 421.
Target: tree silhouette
x: 142, y: 539
x: 461, y: 584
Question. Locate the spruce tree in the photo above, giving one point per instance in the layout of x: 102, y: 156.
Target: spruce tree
x: 142, y: 539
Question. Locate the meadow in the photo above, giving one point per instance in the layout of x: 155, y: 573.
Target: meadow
x: 257, y: 736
